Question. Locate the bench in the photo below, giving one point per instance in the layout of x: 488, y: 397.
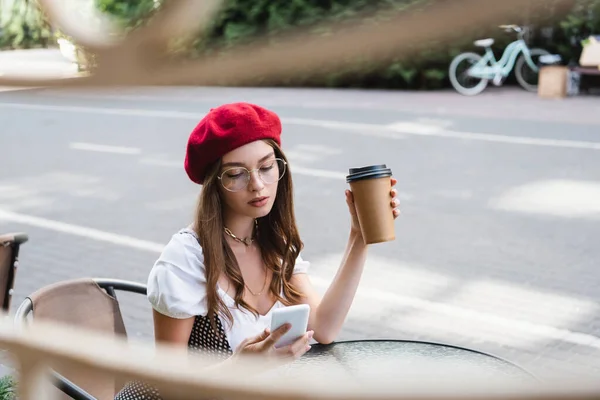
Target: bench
x: 586, y: 84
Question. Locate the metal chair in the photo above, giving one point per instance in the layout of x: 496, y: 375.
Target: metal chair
x: 88, y: 303
x: 9, y: 261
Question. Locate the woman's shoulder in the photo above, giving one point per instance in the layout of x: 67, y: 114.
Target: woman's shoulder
x: 185, y: 237
x: 177, y: 281
x: 183, y: 252
x: 183, y: 247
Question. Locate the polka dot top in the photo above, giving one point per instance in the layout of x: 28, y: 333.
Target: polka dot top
x: 177, y: 288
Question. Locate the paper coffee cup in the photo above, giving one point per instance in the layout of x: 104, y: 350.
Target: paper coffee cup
x: 371, y: 186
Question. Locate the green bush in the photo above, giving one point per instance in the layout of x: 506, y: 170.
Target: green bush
x: 25, y: 27
x: 7, y: 388
x: 243, y: 20
x: 568, y: 32
x: 129, y: 14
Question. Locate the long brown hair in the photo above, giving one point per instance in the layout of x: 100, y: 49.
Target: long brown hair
x: 277, y: 236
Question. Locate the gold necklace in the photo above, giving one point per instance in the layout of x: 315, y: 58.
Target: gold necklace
x: 246, y: 241
x: 261, y: 290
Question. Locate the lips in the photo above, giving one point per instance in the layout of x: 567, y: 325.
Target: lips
x: 259, y: 201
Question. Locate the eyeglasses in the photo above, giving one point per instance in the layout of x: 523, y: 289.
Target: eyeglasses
x: 237, y: 178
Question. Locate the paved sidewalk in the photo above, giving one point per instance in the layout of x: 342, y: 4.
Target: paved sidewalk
x: 35, y: 63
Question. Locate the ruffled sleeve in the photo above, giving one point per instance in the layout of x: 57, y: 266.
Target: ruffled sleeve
x: 301, y: 266
x: 177, y: 281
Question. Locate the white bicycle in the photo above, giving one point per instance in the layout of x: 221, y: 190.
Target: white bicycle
x: 470, y: 73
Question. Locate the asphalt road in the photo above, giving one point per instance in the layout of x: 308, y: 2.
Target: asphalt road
x: 496, y: 249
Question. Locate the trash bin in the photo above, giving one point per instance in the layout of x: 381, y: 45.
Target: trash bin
x: 553, y: 77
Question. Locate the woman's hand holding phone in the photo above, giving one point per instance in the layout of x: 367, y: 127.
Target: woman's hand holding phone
x: 264, y: 345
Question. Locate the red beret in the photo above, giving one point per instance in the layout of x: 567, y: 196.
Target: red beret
x: 226, y: 128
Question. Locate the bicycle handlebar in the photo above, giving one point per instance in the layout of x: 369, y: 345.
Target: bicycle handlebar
x: 515, y: 28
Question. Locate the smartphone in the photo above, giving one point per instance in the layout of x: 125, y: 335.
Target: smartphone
x: 297, y: 316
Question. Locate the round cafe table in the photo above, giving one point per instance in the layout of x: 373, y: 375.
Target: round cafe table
x: 395, y: 360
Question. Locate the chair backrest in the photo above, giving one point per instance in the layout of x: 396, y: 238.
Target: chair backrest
x: 83, y: 303
x: 9, y: 260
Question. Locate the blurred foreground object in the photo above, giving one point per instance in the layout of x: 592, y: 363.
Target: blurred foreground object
x: 179, y: 375
x: 10, y: 244
x: 93, y: 304
x: 85, y: 304
x: 142, y: 58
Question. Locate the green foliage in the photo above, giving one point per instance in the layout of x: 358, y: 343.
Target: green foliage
x: 7, y: 388
x: 242, y: 21
x: 582, y: 22
x: 25, y: 27
x: 128, y: 14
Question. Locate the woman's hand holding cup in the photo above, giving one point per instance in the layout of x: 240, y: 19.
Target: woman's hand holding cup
x: 371, y: 196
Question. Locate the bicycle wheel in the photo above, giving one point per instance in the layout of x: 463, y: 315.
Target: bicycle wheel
x: 527, y: 77
x: 462, y: 82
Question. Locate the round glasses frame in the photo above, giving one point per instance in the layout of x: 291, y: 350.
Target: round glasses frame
x: 250, y: 171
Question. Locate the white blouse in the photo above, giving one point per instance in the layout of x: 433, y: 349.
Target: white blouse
x: 177, y: 288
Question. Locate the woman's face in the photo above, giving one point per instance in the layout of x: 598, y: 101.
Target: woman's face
x: 250, y: 194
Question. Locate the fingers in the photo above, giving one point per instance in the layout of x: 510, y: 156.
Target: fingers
x: 262, y: 336
x: 301, y: 345
x: 242, y: 346
x: 394, y: 202
x: 253, y: 340
x: 350, y: 202
x: 296, y: 349
x: 349, y: 197
x: 271, y: 339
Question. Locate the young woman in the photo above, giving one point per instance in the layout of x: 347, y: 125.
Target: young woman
x: 216, y: 283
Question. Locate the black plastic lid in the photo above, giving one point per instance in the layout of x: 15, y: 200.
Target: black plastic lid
x: 368, y: 172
